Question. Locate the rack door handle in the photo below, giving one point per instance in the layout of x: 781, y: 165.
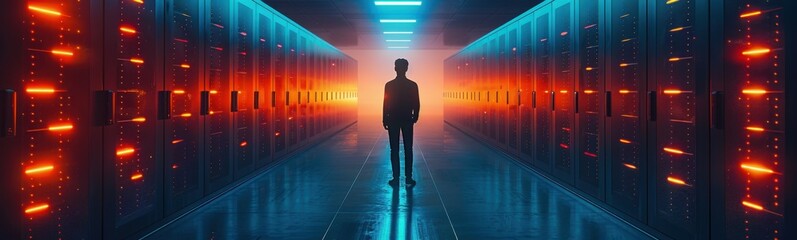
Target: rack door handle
x: 105, y: 106
x: 608, y: 103
x: 553, y: 101
x: 287, y: 98
x: 652, y: 107
x: 299, y: 97
x: 234, y: 101
x: 164, y: 105
x: 273, y: 99
x: 575, y: 97
x: 204, y: 103
x: 8, y: 113
x: 257, y: 100
x: 718, y: 110
x: 533, y: 99
x: 507, y: 97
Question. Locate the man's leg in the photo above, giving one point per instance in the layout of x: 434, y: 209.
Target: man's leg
x: 406, y: 134
x: 393, y: 134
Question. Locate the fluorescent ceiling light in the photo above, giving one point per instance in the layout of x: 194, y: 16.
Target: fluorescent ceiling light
x: 398, y: 32
x: 397, y: 3
x: 397, y: 20
x: 398, y: 40
x: 398, y: 47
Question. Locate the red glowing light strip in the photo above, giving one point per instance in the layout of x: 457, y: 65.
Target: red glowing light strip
x: 750, y: 14
x: 217, y: 48
x: 755, y: 129
x: 39, y: 169
x: 181, y: 40
x: 676, y: 181
x: 136, y: 176
x: 563, y: 34
x: 629, y: 166
x: 60, y: 127
x: 677, y: 29
x: 673, y: 150
x: 752, y: 205
x: 174, y: 166
x: 243, y: 144
x: 37, y: 208
x: 754, y: 91
x: 44, y: 10
x: 625, y: 141
x: 590, y: 154
x: 126, y: 151
x: 276, y: 134
x: 127, y: 29
x: 139, y: 119
x: 137, y: 60
x: 756, y: 168
x: 177, y: 141
x: 40, y: 90
x: 217, y: 25
x: 756, y: 51
x: 590, y: 26
x: 564, y: 146
x: 62, y: 52
x: 243, y: 33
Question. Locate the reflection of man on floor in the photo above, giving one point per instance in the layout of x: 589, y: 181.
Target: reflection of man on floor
x: 399, y: 113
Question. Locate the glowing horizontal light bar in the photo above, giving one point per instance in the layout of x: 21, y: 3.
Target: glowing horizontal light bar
x: 177, y: 141
x: 57, y: 128
x: 126, y: 151
x: 243, y: 144
x: 672, y: 91
x: 139, y: 119
x: 185, y: 115
x: 673, y: 150
x: 136, y: 176
x: 674, y: 59
x: 755, y: 129
x: 40, y: 90
x: 138, y: 1
x: 397, y: 32
x: 756, y: 168
x: 626, y: 141
x: 676, y: 181
x: 563, y: 34
x: 397, y: 20
x: 39, y: 169
x: 672, y: 1
x: 37, y: 208
x: 677, y: 29
x: 754, y: 91
x: 398, y: 40
x: 213, y: 92
x: 624, y: 64
x: 397, y: 3
x: 398, y: 47
x: 588, y: 68
x: 185, y: 66
x: 756, y: 51
x: 137, y: 60
x: 623, y: 91
x: 44, y: 10
x: 629, y: 166
x: 752, y: 205
x: 589, y: 91
x: 750, y: 14
x: 563, y: 91
x: 127, y: 29
x: 62, y: 52
x: 565, y: 146
x: 179, y: 91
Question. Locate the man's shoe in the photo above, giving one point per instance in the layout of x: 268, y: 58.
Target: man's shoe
x: 393, y: 182
x: 409, y: 181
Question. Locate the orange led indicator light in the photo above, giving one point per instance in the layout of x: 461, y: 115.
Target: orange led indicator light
x: 564, y: 146
x: 44, y: 10
x: 750, y: 14
x: 755, y: 168
x: 674, y: 59
x: 677, y: 29
x: 588, y: 68
x: 589, y: 91
x: 127, y: 29
x: 213, y: 92
x: 623, y: 64
x: 673, y: 150
x: 672, y: 91
x: 276, y: 134
x: 62, y: 52
x: 756, y: 51
x: 186, y: 66
x: 179, y: 91
x: 754, y: 91
x: 563, y: 91
x: 671, y: 1
x: 139, y: 119
x: 177, y: 141
x: 125, y: 151
x: 243, y: 144
x: 752, y: 205
x: 39, y: 169
x: 185, y: 115
x: 37, y: 208
x: 676, y: 181
x: 58, y: 128
x: 136, y: 176
x: 40, y: 90
x: 625, y: 141
x: 629, y: 166
x: 755, y: 129
x: 138, y: 1
x: 137, y: 60
x: 623, y: 91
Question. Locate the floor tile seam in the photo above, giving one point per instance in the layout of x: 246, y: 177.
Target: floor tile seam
x: 439, y: 196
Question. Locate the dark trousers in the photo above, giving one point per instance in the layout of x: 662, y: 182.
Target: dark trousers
x: 406, y: 132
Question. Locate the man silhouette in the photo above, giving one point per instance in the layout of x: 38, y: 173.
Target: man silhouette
x: 399, y: 113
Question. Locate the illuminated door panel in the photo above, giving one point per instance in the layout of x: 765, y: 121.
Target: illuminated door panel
x: 243, y: 91
x: 563, y: 90
x: 755, y: 151
x: 278, y: 95
x: 526, y: 89
x: 543, y: 117
x: 132, y: 169
x: 265, y: 133
x: 627, y: 120
x: 218, y: 164
x: 589, y: 153
x: 183, y: 176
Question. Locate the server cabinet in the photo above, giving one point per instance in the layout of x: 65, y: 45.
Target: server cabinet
x: 264, y: 84
x: 132, y: 168
x: 755, y: 143
x: 678, y: 205
x: 242, y: 94
x: 563, y: 94
x: 543, y: 93
x: 626, y: 111
x: 217, y: 99
x: 278, y: 95
x: 589, y: 105
x: 292, y: 89
x: 526, y: 90
x: 49, y: 72
x: 312, y: 90
x: 303, y: 95
x: 513, y: 92
x: 501, y: 84
x: 183, y: 178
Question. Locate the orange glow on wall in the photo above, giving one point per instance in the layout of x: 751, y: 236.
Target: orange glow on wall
x: 676, y: 181
x: 756, y: 51
x: 752, y: 205
x: 40, y: 90
x: 40, y: 169
x: 57, y: 128
x: 139, y: 119
x: 672, y: 91
x: 750, y: 14
x: 754, y: 168
x: 629, y: 166
x: 754, y: 91
x: 44, y: 10
x: 673, y: 150
x: 137, y: 176
x: 137, y: 60
x: 179, y: 91
x: 62, y: 52
x: 755, y: 129
x: 37, y: 208
x: 186, y: 66
x: 127, y: 30
x: 125, y: 151
x: 626, y: 141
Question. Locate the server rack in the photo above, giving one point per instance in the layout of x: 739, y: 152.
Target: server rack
x: 265, y: 86
x: 243, y: 90
x: 218, y: 93
x: 563, y: 94
x: 543, y: 93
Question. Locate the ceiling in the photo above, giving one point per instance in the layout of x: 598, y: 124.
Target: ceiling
x: 441, y: 24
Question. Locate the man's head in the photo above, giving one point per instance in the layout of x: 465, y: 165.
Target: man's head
x: 402, y: 65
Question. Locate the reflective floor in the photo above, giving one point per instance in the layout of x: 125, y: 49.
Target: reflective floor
x: 339, y: 190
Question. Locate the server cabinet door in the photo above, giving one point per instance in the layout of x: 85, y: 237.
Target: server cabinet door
x: 292, y: 89
x: 526, y: 91
x: 589, y: 152
x: 484, y: 83
x: 494, y: 83
x: 501, y: 89
x: 754, y: 119
x: 513, y: 92
x: 243, y: 90
x: 278, y: 95
x: 183, y: 178
x: 265, y: 133
x: 218, y: 165
x: 563, y: 90
x: 312, y: 91
x: 678, y: 206
x: 303, y: 93
x: 45, y: 126
x: 543, y: 115
x: 626, y: 109
x: 132, y: 169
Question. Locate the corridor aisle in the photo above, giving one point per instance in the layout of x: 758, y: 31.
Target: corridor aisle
x: 339, y: 190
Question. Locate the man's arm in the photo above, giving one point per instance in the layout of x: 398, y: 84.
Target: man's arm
x: 385, y: 109
x: 416, y: 104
